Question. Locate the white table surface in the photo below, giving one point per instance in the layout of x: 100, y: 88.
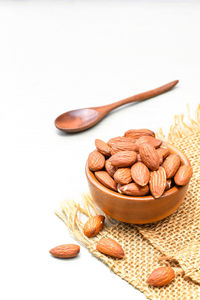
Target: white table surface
x: 61, y: 55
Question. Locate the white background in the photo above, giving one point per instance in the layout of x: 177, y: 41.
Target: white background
x: 61, y: 55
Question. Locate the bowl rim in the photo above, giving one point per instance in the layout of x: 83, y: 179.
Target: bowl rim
x: 175, y: 189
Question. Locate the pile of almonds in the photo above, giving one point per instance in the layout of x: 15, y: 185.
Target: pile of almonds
x: 137, y: 164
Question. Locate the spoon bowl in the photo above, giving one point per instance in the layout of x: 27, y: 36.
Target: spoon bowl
x: 77, y: 120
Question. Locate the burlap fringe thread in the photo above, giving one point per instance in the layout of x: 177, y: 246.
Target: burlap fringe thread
x: 136, y: 241
x: 180, y: 128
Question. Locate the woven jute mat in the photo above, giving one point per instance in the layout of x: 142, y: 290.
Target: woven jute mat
x: 173, y: 241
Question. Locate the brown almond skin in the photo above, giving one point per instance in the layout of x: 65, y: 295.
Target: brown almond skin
x: 158, y: 182
x: 183, y: 175
x: 149, y: 140
x: 149, y: 156
x: 117, y: 139
x: 110, y: 247
x: 96, y: 161
x: 124, y: 146
x: 65, y: 251
x: 171, y: 165
x: 102, y: 147
x: 123, y: 176
x: 161, y: 276
x: 123, y: 159
x: 163, y: 153
x: 137, y: 133
x: 140, y: 173
x: 106, y: 180
x: 110, y: 168
x: 93, y: 226
x: 133, y: 189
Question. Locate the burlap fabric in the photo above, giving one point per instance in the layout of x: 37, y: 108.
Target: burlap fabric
x: 173, y: 241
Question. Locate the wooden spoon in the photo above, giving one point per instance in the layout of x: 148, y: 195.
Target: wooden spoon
x: 82, y: 119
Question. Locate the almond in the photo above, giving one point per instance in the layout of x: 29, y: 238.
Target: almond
x: 133, y: 189
x: 161, y: 276
x: 123, y: 176
x: 117, y: 139
x: 65, y: 251
x: 106, y: 180
x: 163, y: 153
x: 158, y: 182
x: 149, y: 156
x: 96, y: 161
x: 171, y: 165
x: 102, y: 147
x: 137, y: 133
x: 140, y: 173
x: 93, y: 225
x: 183, y: 175
x: 110, y: 168
x: 110, y: 247
x: 124, y: 146
x: 123, y: 158
x: 149, y: 140
x: 168, y: 184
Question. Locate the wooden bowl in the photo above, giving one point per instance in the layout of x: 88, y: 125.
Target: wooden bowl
x: 137, y: 210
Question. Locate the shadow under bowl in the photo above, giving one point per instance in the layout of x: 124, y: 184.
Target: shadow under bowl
x: 137, y: 210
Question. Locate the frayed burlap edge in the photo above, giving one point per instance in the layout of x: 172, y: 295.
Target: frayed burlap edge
x: 181, y: 128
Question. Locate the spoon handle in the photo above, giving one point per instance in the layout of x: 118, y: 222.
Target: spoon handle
x: 142, y: 96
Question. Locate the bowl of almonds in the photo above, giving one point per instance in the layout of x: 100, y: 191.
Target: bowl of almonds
x: 137, y: 178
